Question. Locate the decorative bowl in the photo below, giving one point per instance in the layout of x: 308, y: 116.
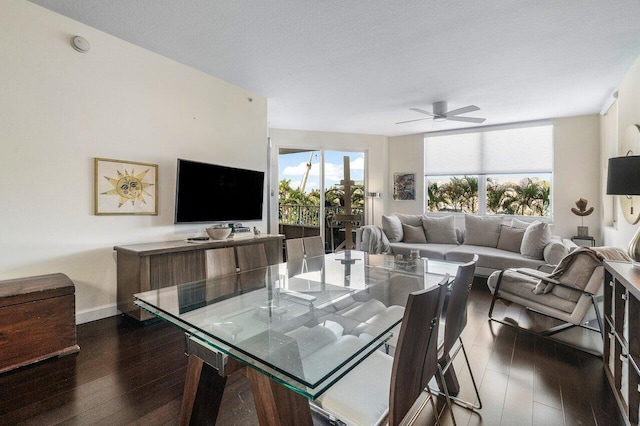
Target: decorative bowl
x: 219, y: 233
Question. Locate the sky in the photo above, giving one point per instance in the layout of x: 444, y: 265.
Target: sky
x: 293, y: 167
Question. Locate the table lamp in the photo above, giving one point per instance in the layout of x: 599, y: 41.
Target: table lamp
x: 624, y: 179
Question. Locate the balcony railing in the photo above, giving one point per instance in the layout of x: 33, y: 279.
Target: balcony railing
x: 308, y: 215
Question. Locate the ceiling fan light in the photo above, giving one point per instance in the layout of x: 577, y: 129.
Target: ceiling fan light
x: 440, y: 119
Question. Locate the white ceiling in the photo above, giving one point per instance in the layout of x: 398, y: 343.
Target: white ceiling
x: 358, y: 66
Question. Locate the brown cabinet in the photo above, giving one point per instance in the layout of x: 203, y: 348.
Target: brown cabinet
x: 622, y: 335
x: 143, y: 267
x: 37, y: 319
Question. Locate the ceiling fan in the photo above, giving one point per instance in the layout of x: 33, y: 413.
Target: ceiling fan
x: 440, y: 113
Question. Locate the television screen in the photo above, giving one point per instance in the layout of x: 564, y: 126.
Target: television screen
x: 213, y: 193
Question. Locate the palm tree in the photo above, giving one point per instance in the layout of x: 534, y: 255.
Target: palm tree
x: 495, y: 196
x: 523, y: 197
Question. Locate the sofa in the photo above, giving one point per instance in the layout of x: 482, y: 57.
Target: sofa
x: 499, y: 242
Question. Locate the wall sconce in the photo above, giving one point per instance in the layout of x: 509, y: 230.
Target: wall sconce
x: 623, y: 179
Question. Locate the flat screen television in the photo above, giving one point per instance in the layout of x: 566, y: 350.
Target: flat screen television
x: 213, y: 193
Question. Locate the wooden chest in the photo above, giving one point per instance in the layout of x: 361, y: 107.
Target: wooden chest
x: 37, y: 319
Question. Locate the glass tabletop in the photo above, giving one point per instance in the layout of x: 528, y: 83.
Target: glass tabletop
x: 304, y: 323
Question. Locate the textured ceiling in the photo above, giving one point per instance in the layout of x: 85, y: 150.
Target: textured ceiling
x: 358, y: 66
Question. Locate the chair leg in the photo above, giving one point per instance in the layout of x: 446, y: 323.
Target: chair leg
x: 598, y: 315
x: 473, y: 381
x: 446, y: 395
x: 465, y: 404
x: 495, y: 294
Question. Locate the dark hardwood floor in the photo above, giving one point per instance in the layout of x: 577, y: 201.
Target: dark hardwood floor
x: 131, y: 374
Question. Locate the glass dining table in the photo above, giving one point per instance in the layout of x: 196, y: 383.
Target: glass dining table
x: 293, y: 329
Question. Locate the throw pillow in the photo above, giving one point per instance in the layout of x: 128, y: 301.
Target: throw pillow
x: 413, y: 234
x: 440, y: 229
x: 510, y: 238
x: 536, y: 237
x: 392, y: 228
x: 482, y: 230
x: 410, y: 219
x: 517, y: 223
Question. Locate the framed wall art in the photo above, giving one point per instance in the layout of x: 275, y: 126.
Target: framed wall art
x: 125, y: 187
x: 404, y: 186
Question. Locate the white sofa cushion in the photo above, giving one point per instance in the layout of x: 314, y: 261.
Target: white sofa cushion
x: 536, y: 237
x: 491, y: 257
x: 392, y: 228
x: 440, y: 230
x: 410, y: 219
x: 510, y: 238
x: 482, y: 230
x: 413, y: 234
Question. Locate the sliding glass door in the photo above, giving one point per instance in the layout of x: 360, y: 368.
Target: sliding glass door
x: 312, y: 197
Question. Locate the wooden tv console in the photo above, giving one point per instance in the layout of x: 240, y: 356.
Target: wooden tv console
x: 143, y: 267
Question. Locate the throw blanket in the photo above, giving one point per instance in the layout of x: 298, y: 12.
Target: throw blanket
x: 378, y: 242
x: 596, y: 255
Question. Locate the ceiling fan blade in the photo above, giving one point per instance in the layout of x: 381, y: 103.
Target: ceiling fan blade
x: 463, y: 110
x: 421, y: 111
x: 467, y: 119
x: 410, y: 121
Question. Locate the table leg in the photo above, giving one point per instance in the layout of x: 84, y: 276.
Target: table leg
x: 202, y: 396
x: 277, y: 405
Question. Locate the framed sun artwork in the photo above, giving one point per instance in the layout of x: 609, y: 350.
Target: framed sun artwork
x: 404, y: 186
x: 125, y: 187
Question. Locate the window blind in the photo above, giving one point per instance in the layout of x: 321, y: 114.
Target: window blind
x: 515, y: 151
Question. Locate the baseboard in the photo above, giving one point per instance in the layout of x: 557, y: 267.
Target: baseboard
x: 95, y: 314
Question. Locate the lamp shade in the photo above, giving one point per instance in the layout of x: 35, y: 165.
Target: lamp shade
x: 623, y: 177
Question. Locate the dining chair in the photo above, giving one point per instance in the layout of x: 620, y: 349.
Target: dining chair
x: 384, y: 387
x: 295, y: 249
x: 252, y: 256
x: 453, y: 322
x: 218, y: 263
x: 313, y: 246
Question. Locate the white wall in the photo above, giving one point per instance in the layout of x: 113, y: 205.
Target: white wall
x: 374, y: 146
x: 576, y: 174
x: 576, y: 163
x: 628, y: 114
x: 406, y: 155
x: 61, y: 108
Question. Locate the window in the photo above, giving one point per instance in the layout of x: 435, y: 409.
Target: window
x: 507, y: 171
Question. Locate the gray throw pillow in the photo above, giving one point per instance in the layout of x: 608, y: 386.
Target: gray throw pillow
x: 510, y: 238
x: 392, y: 228
x: 410, y: 219
x: 517, y: 223
x: 440, y: 230
x: 482, y: 230
x: 536, y: 237
x: 413, y: 234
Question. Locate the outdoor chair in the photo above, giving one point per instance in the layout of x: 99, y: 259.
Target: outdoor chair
x: 566, y: 294
x: 384, y: 387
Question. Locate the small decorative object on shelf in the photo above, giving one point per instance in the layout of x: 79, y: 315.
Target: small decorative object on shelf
x: 256, y: 231
x: 582, y: 211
